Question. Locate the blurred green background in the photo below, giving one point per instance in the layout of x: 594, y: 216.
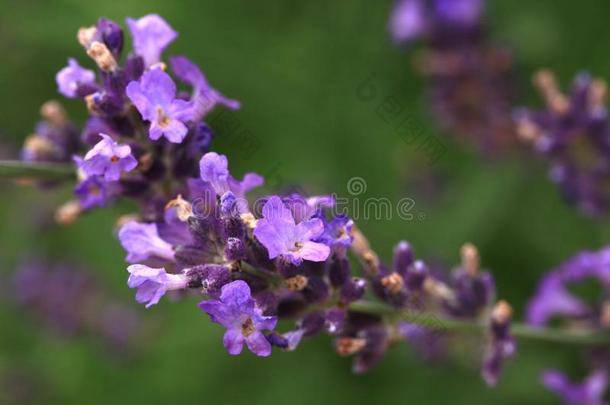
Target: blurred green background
x: 296, y: 66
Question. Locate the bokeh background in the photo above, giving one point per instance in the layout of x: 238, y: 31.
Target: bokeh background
x: 296, y: 66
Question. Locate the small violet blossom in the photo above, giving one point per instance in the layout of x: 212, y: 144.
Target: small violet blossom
x: 92, y: 192
x: 214, y: 169
x: 142, y: 242
x: 279, y: 233
x: 337, y: 233
x: 204, y: 97
x: 553, y: 299
x: 73, y: 76
x: 108, y: 159
x: 236, y: 310
x: 152, y: 284
x: 155, y: 98
x: 151, y: 35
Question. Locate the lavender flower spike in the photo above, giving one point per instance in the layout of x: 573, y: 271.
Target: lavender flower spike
x: 108, y: 159
x: 278, y: 232
x: 151, y: 35
x: 155, y: 98
x: 152, y: 284
x: 236, y: 310
x: 73, y: 76
x: 142, y: 242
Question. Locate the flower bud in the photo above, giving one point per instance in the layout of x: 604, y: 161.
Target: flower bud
x: 403, y: 257
x: 353, y: 290
x: 111, y: 35
x: 339, y: 271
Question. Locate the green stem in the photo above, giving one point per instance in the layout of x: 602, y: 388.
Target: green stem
x: 428, y: 320
x: 48, y: 171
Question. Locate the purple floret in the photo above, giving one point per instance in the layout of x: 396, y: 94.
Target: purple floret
x: 151, y: 35
x: 589, y: 392
x: 108, y: 159
x: 279, y: 233
x: 214, y: 170
x: 152, y: 284
x: 73, y: 77
x: 204, y: 97
x: 236, y: 310
x: 155, y: 98
x: 142, y: 242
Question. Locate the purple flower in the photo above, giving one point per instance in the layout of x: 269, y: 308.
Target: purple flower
x: 279, y: 233
x: 304, y: 208
x: 552, y: 299
x: 92, y: 192
x: 589, y: 392
x: 236, y: 310
x: 214, y: 169
x: 109, y: 159
x: 337, y: 233
x: 408, y: 20
x: 151, y: 35
x: 588, y: 264
x: 204, y: 98
x: 152, y: 284
x: 155, y: 98
x: 142, y: 242
x: 73, y: 76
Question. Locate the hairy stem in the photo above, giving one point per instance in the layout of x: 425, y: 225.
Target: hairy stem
x: 519, y: 330
x: 15, y: 169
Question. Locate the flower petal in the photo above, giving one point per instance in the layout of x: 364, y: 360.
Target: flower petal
x: 258, y: 344
x: 233, y: 340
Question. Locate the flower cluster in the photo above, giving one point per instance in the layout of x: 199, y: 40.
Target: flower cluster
x: 291, y: 261
x: 554, y: 301
x: 70, y: 301
x: 470, y: 80
x: 289, y: 257
x: 144, y: 136
x: 573, y: 133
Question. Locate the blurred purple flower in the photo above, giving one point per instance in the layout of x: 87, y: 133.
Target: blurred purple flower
x: 408, y: 20
x: 142, y: 242
x: 73, y: 76
x: 589, y: 392
x: 573, y: 133
x: 92, y: 192
x: 552, y: 299
x: 151, y: 35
